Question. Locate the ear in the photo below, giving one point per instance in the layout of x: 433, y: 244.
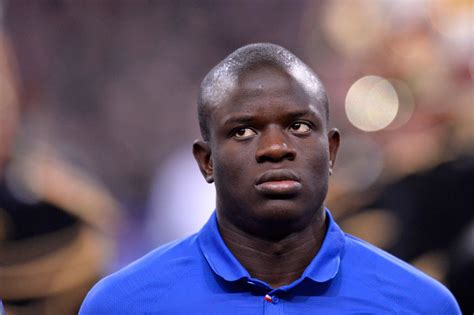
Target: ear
x: 334, y: 139
x: 202, y: 154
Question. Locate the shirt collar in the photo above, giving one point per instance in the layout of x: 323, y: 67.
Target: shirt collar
x: 323, y: 267
x: 217, y: 254
x: 325, y: 264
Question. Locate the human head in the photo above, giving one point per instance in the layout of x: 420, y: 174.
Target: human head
x: 264, y: 115
x: 224, y: 76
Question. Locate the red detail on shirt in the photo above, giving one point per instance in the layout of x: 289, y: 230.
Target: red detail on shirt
x: 268, y: 298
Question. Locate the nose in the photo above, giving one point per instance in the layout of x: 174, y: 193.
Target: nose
x: 274, y: 146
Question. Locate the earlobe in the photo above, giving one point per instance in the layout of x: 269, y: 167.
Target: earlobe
x: 202, y: 155
x: 209, y: 177
x: 334, y: 139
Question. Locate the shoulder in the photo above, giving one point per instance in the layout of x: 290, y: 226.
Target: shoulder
x: 399, y: 282
x: 148, y: 277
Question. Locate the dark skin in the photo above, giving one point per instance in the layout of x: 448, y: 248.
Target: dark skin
x: 270, y: 154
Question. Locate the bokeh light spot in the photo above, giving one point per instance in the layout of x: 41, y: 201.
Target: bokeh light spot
x: 406, y: 104
x: 371, y: 103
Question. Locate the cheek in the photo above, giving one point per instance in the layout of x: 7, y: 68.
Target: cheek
x: 317, y: 178
x: 233, y: 167
x: 315, y: 152
x: 316, y: 162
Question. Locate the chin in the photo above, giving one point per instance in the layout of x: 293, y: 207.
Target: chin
x: 284, y: 211
x: 278, y: 223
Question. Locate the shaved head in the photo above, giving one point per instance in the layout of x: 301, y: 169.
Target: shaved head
x: 224, y: 77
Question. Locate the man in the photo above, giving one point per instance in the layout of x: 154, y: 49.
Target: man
x: 271, y: 247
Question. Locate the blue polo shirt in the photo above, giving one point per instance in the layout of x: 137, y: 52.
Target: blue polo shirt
x: 199, y: 275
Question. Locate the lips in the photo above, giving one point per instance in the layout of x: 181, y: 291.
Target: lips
x: 278, y: 182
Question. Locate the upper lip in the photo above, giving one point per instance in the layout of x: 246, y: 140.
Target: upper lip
x: 277, y: 175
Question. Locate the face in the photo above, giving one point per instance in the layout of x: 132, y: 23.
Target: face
x: 269, y: 154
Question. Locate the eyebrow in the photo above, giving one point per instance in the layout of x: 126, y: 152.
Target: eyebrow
x: 240, y: 119
x: 248, y: 118
x: 306, y: 112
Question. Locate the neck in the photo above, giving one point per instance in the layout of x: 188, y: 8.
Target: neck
x: 277, y: 262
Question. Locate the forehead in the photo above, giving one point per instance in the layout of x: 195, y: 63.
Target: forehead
x: 267, y: 91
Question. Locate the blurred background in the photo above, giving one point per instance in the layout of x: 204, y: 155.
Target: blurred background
x: 98, y: 114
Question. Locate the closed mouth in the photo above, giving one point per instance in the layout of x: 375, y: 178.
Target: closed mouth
x: 277, y: 176
x: 278, y: 183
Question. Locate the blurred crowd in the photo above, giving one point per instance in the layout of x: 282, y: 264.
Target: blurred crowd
x: 98, y: 113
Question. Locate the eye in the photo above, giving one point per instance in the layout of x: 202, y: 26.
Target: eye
x: 300, y: 128
x: 243, y: 133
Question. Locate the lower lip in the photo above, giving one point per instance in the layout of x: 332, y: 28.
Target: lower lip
x: 281, y: 187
